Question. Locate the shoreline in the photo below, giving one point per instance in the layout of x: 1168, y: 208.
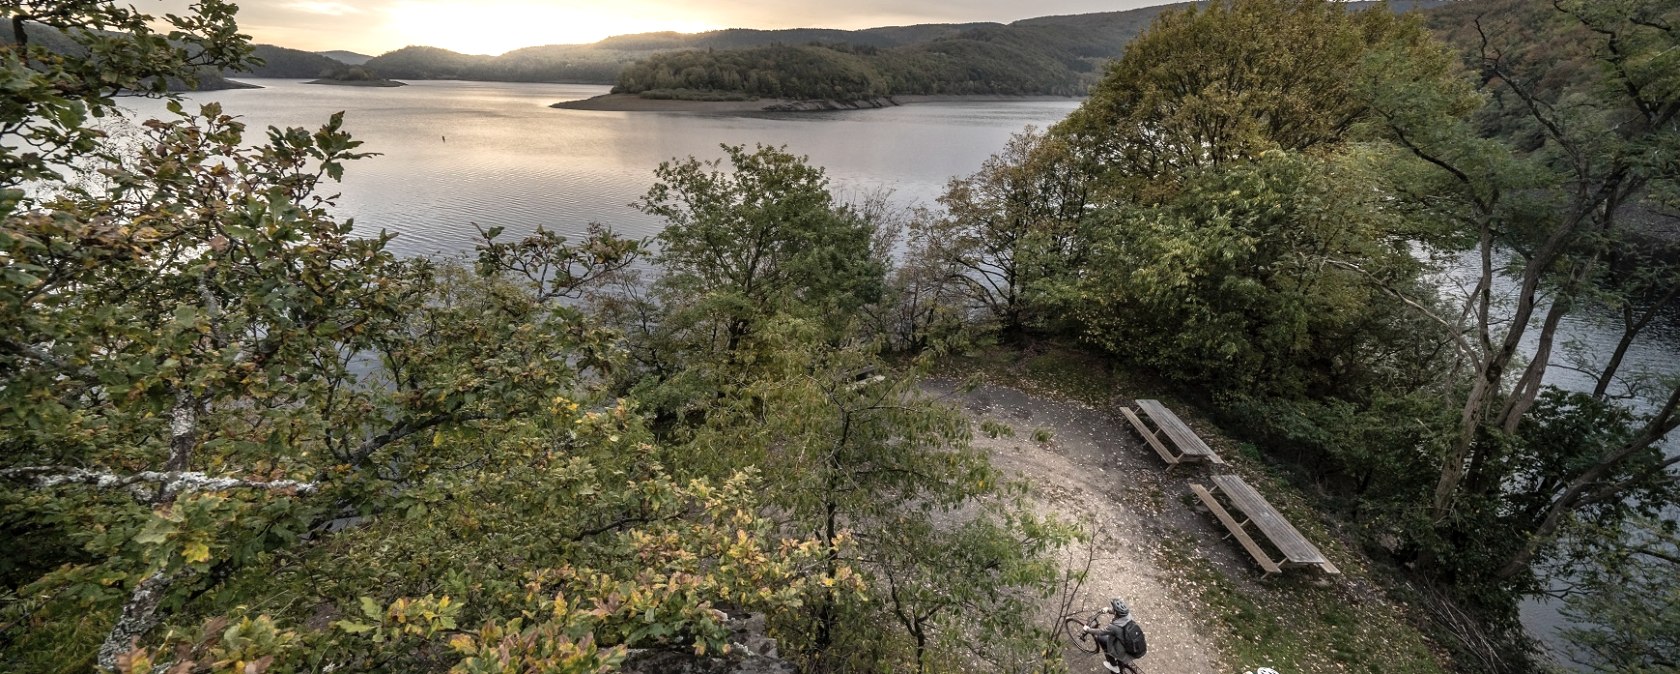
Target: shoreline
x: 358, y: 83
x: 635, y: 103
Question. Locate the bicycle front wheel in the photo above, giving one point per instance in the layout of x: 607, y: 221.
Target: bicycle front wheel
x: 1075, y: 629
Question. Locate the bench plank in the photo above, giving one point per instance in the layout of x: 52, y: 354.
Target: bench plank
x: 1295, y: 547
x: 1149, y: 437
x: 1174, y: 428
x: 1236, y: 529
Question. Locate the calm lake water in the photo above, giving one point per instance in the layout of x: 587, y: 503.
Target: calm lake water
x: 458, y: 153
x: 495, y: 154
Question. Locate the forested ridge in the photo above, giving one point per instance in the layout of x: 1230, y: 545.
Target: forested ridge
x: 284, y: 63
x: 1056, y: 55
x: 237, y: 437
x: 1032, y: 56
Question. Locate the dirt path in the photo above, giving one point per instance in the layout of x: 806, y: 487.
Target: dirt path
x: 1094, y: 468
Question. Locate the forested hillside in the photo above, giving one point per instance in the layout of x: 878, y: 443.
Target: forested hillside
x: 557, y: 63
x: 1056, y: 55
x: 348, y: 58
x: 1048, y: 55
x: 286, y: 63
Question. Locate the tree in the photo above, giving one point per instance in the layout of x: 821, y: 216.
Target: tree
x: 1252, y: 280
x: 51, y: 96
x: 223, y: 414
x: 1628, y: 605
x: 1011, y: 228
x: 886, y: 476
x: 1560, y: 211
x: 216, y: 337
x: 766, y: 365
x: 766, y: 238
x: 1205, y: 86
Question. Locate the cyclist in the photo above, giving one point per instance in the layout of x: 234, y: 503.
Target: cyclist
x: 1121, y: 639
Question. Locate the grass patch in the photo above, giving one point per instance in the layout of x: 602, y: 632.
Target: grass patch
x: 1052, y: 368
x: 996, y: 429
x: 1076, y: 375
x: 1293, y: 624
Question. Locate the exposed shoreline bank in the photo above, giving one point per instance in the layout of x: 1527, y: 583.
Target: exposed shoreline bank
x: 635, y: 103
x: 358, y: 83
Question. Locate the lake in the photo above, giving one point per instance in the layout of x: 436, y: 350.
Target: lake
x: 458, y: 153
x: 495, y: 154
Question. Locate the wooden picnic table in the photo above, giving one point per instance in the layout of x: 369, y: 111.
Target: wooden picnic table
x: 1185, y: 445
x: 1297, y: 551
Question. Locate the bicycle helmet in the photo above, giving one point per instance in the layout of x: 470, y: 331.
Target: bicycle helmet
x: 1120, y: 609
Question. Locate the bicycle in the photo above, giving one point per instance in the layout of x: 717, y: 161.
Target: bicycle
x: 1087, y: 644
x: 1082, y: 640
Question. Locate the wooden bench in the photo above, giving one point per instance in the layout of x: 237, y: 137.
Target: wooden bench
x: 1170, y: 438
x: 1295, y: 549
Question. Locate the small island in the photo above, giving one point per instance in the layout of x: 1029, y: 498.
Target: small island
x: 622, y: 102
x: 355, y: 76
x: 817, y: 77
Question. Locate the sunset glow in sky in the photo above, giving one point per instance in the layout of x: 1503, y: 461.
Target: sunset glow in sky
x: 496, y: 26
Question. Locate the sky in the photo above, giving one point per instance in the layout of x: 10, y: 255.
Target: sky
x: 495, y: 26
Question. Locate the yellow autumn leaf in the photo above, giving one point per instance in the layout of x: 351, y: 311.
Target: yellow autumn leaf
x: 196, y: 552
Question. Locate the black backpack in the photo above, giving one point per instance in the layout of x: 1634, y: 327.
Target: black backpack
x: 1131, y: 639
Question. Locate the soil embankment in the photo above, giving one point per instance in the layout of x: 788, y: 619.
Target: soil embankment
x: 358, y: 83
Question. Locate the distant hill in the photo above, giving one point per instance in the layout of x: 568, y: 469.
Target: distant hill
x: 555, y: 63
x: 284, y: 63
x: 1045, y: 55
x: 1055, y: 55
x: 734, y: 38
x: 348, y: 58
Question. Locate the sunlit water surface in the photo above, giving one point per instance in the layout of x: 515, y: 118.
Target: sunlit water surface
x: 458, y: 153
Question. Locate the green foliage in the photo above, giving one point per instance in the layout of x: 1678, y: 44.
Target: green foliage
x: 749, y: 352
x: 52, y: 95
x: 1627, y: 614
x: 813, y: 72
x: 976, y: 62
x: 763, y: 239
x: 1011, y: 230
x: 240, y: 439
x: 551, y: 63
x: 1253, y: 278
x: 1578, y: 133
x: 1206, y: 86
x: 874, y: 463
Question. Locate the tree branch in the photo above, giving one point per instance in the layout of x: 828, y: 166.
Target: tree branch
x: 141, y: 485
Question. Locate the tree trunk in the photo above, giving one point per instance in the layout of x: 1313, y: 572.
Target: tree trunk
x: 139, y: 614
x: 1589, y: 486
x: 1631, y: 330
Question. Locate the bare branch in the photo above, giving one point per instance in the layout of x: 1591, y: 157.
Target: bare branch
x: 142, y: 484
